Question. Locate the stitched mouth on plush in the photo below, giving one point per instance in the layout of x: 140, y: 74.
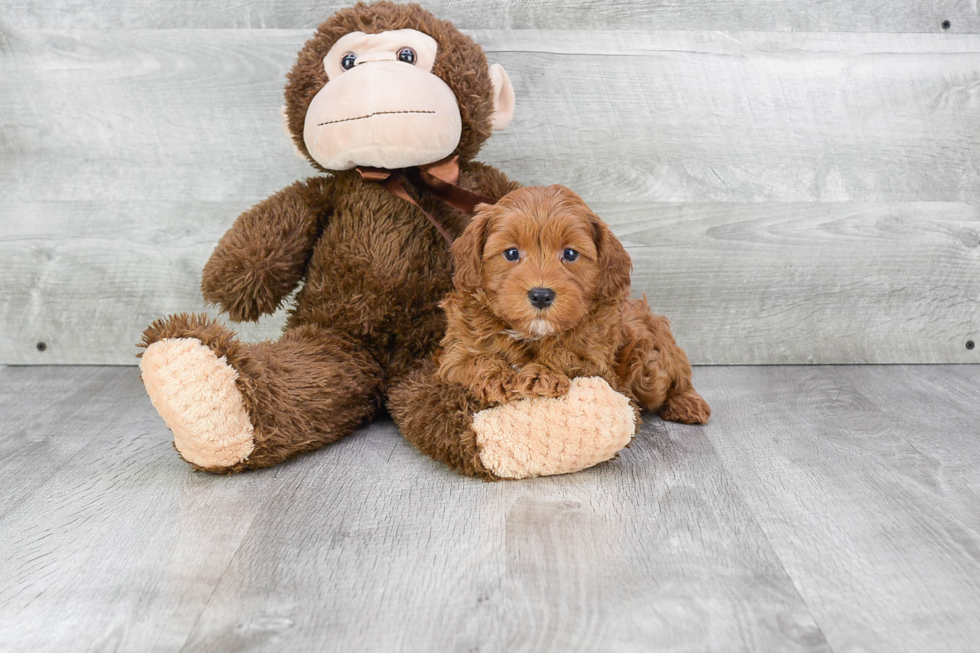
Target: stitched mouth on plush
x: 372, y: 115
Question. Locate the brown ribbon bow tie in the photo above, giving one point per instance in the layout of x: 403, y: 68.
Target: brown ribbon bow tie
x: 440, y: 177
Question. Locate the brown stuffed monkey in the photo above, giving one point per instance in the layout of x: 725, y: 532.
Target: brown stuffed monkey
x: 393, y: 105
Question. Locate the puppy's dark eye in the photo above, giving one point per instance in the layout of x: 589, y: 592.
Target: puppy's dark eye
x: 512, y: 254
x: 406, y: 55
x: 569, y: 255
x: 347, y: 61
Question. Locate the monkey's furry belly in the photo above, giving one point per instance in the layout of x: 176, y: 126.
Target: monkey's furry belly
x: 377, y: 276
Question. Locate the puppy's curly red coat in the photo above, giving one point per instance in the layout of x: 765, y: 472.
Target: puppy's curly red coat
x: 541, y: 297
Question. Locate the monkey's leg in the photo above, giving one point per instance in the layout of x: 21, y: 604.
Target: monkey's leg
x: 529, y: 437
x: 234, y: 406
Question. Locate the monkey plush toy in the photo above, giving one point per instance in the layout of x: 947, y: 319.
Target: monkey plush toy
x: 392, y: 105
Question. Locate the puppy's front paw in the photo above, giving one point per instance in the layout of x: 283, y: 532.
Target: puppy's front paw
x: 492, y: 390
x: 538, y: 381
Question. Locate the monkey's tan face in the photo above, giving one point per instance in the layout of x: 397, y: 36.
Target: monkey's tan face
x: 382, y: 106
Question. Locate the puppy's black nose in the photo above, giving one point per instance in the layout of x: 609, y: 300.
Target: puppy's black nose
x: 541, y: 297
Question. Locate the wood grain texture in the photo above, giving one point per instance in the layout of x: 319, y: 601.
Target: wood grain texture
x: 100, y: 514
x: 85, y: 278
x: 73, y: 408
x: 769, y: 15
x: 865, y: 482
x: 787, y: 198
x: 152, y: 115
x: 822, y: 509
x: 742, y: 283
x: 650, y: 552
x: 578, y: 563
x: 810, y: 283
x: 369, y: 546
x: 743, y: 117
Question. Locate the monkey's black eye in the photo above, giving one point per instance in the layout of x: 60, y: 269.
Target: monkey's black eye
x: 407, y: 55
x: 512, y: 254
x: 347, y: 61
x: 569, y: 255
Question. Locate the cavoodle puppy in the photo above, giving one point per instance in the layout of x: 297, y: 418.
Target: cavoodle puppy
x: 541, y: 296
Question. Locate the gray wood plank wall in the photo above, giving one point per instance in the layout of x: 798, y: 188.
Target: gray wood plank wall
x: 796, y: 181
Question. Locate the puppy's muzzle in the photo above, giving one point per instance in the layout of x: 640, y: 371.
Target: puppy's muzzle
x: 541, y: 297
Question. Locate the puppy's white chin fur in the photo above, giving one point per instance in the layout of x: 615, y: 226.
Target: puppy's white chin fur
x: 539, y: 329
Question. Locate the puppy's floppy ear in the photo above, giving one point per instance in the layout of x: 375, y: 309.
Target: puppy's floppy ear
x: 615, y: 264
x: 468, y: 250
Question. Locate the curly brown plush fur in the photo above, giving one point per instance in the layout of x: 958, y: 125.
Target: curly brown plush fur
x: 502, y: 347
x: 437, y: 419
x: 372, y: 268
x: 288, y: 386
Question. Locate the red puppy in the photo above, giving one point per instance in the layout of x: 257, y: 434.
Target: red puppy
x: 541, y: 296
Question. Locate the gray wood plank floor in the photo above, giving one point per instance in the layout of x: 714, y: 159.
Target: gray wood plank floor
x: 823, y: 509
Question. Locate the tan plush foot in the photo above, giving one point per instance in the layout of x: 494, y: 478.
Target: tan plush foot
x: 542, y: 437
x: 194, y: 391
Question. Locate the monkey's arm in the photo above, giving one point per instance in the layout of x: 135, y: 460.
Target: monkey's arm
x: 265, y: 253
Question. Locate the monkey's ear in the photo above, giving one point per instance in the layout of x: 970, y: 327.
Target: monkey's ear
x: 503, y: 98
x: 615, y: 263
x: 468, y: 250
x: 285, y: 130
